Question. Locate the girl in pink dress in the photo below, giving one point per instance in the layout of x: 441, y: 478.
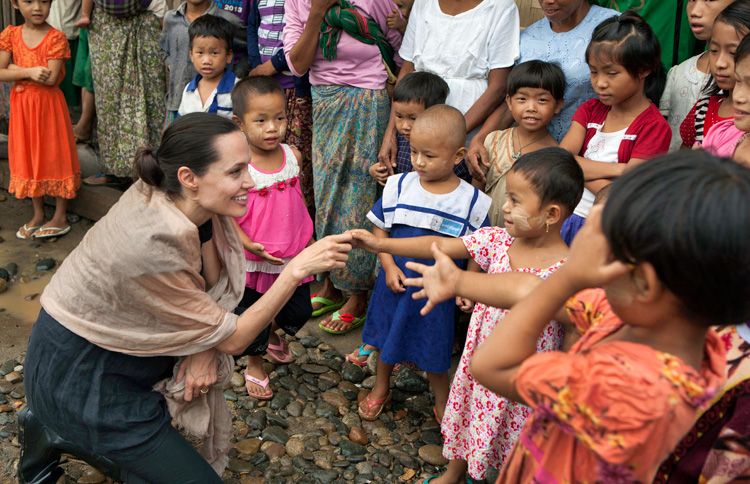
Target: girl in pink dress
x: 277, y: 225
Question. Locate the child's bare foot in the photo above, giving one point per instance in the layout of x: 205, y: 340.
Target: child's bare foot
x: 256, y: 380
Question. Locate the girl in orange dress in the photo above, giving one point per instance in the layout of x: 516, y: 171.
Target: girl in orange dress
x: 41, y: 148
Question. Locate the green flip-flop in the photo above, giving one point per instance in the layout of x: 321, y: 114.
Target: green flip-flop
x: 354, y: 323
x: 327, y: 305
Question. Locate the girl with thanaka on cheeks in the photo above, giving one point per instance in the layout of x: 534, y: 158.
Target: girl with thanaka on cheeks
x: 543, y: 187
x: 276, y: 226
x: 622, y: 127
x: 730, y: 26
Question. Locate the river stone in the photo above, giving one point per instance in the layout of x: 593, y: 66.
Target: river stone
x: 275, y: 434
x: 248, y: 446
x: 325, y: 410
x: 351, y: 420
x: 369, y: 382
x: 281, y: 399
x: 45, y: 265
x: 239, y: 466
x: 294, y: 409
x: 323, y: 459
x: 432, y: 454
x: 349, y: 390
x: 92, y: 476
x: 310, y: 341
x: 408, y: 381
x: 314, y: 369
x: 349, y: 448
x: 12, y: 269
x: 274, y: 419
x: 431, y: 437
x: 352, y: 373
x: 4, y: 274
x: 257, y: 420
x: 13, y: 377
x: 325, y: 476
x: 335, y: 398
x: 295, y: 446
x: 358, y: 436
x: 273, y: 450
x: 237, y: 380
x: 297, y: 349
x: 289, y: 382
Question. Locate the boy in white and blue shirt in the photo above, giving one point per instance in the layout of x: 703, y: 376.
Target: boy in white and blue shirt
x: 210, y: 52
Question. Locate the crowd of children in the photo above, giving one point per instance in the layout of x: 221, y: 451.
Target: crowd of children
x: 596, y: 373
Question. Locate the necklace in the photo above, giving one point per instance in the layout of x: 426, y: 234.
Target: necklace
x: 517, y: 154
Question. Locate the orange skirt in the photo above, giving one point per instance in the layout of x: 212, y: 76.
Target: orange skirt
x: 41, y: 147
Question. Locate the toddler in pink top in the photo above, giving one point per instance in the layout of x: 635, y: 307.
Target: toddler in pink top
x: 276, y: 226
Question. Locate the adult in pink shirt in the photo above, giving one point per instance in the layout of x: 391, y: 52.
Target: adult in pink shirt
x: 350, y: 113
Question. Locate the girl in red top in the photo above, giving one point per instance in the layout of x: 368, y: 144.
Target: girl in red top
x: 623, y: 126
x: 41, y: 149
x: 730, y: 26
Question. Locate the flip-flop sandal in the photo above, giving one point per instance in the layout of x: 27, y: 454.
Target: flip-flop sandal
x: 362, y: 352
x: 328, y: 305
x: 370, y: 406
x: 429, y: 479
x: 354, y: 323
x: 27, y: 231
x: 261, y: 383
x: 51, y: 232
x: 279, y: 353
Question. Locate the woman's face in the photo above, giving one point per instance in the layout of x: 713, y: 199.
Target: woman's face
x: 223, y: 188
x: 561, y: 11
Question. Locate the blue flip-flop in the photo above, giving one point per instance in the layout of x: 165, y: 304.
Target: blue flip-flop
x: 362, y: 352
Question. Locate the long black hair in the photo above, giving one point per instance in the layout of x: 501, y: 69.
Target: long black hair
x: 636, y: 49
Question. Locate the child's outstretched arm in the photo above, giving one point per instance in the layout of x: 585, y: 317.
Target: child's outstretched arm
x: 418, y: 247
x: 589, y: 265
x: 394, y: 277
x: 445, y: 280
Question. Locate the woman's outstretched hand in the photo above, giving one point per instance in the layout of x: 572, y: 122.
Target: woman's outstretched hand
x: 327, y: 254
x: 438, y: 282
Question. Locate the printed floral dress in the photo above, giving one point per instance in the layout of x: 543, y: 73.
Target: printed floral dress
x: 479, y: 426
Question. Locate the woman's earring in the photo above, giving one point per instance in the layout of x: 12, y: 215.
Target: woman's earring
x: 546, y: 227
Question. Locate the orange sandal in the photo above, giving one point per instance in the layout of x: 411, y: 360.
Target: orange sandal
x: 371, y: 409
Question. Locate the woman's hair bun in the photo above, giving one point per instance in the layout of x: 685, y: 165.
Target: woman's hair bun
x: 147, y: 167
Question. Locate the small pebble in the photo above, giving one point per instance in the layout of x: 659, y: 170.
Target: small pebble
x: 45, y: 265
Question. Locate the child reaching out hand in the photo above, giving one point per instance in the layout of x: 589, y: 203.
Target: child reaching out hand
x: 277, y: 225
x: 615, y: 406
x: 480, y: 428
x: 431, y: 200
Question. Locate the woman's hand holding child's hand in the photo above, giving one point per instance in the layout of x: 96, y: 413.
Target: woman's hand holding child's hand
x: 260, y: 251
x: 39, y: 74
x: 590, y: 263
x: 438, y: 282
x: 327, y: 254
x: 364, y: 239
x: 199, y: 372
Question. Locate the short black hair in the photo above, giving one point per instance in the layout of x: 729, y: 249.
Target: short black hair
x: 554, y: 174
x: 538, y: 74
x: 421, y: 87
x: 212, y: 26
x: 248, y: 86
x: 743, y: 50
x: 687, y: 214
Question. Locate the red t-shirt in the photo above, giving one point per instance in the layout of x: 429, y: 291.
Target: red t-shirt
x: 687, y: 127
x: 647, y: 136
